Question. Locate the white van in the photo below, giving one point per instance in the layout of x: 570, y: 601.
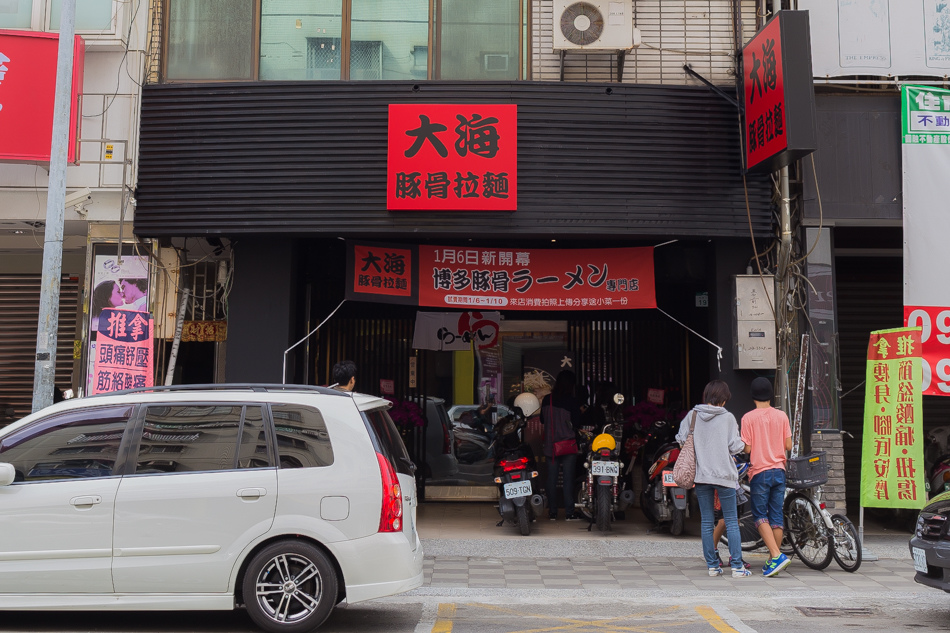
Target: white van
x: 283, y: 499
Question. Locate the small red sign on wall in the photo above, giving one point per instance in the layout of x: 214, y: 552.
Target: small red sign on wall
x: 27, y: 90
x: 456, y: 157
x: 382, y: 270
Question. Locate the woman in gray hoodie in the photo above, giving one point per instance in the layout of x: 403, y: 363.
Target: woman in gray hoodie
x: 716, y: 439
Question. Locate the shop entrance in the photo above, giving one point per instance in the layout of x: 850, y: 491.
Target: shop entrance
x: 440, y: 397
x: 659, y: 364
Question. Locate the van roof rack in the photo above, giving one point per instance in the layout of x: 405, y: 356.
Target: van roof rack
x: 258, y: 387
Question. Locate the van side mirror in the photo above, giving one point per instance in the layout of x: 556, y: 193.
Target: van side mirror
x: 7, y: 474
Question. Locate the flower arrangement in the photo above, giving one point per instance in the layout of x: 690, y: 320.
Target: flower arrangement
x: 406, y: 414
x: 643, y: 414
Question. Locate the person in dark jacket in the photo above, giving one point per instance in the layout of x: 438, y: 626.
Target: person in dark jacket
x: 560, y: 400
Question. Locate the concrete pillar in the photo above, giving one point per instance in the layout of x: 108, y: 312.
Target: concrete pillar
x: 261, y: 310
x: 833, y: 493
x: 731, y: 258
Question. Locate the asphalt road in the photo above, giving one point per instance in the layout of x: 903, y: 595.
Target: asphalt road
x: 566, y: 611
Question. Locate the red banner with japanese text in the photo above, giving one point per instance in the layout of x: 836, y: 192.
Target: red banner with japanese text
x: 501, y: 278
x: 934, y: 323
x: 452, y: 157
x: 123, y: 351
x: 892, y: 457
x: 537, y: 279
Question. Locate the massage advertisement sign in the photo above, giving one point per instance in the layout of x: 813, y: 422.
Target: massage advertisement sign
x: 892, y: 456
x: 502, y: 278
x: 123, y: 351
x: 458, y: 157
x: 117, y: 283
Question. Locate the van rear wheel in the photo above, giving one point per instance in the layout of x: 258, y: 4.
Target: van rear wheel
x: 289, y: 587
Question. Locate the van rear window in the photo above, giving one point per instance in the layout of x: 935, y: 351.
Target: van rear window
x: 387, y: 440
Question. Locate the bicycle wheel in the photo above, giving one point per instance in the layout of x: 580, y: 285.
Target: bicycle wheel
x: 751, y: 539
x: 847, y: 545
x: 807, y: 532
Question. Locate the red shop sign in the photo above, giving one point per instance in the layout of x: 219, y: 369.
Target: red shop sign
x: 536, y: 279
x: 778, y: 94
x: 457, y: 157
x: 382, y: 272
x: 27, y: 90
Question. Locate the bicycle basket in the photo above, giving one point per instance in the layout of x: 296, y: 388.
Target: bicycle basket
x: 807, y: 471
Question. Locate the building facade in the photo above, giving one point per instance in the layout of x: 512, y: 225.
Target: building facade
x: 112, y: 66
x: 265, y: 142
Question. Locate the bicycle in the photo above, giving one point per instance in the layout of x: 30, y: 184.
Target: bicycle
x: 812, y: 533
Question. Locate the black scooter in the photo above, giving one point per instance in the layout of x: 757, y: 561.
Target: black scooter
x: 515, y: 473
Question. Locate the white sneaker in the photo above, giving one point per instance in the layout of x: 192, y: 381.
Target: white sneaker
x: 715, y: 571
x: 741, y: 573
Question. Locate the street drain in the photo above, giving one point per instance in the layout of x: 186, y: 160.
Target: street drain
x: 837, y: 612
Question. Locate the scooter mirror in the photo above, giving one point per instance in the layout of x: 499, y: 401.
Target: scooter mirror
x: 618, y: 398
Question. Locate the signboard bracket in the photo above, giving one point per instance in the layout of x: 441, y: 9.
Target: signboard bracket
x: 719, y: 91
x: 621, y: 57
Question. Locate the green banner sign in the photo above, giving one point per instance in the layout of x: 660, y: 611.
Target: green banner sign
x: 925, y: 115
x: 892, y: 458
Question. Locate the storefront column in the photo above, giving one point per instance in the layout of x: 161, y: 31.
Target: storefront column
x: 731, y: 258
x: 260, y: 310
x: 823, y: 407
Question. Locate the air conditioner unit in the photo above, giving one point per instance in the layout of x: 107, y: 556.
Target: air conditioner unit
x: 594, y: 25
x: 496, y: 62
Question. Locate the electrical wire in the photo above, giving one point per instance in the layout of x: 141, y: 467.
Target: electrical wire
x: 821, y: 214
x: 122, y: 65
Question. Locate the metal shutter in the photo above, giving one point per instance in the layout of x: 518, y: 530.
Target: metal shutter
x: 870, y: 297
x: 19, y: 305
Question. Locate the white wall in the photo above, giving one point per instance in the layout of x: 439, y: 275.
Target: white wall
x: 110, y: 109
x: 674, y: 32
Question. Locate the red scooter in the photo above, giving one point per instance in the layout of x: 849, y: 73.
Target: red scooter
x: 662, y: 501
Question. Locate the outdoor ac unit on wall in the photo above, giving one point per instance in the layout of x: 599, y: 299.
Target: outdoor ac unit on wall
x: 594, y: 25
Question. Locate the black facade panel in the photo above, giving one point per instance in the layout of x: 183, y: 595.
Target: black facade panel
x: 858, y: 160
x: 261, y: 312
x: 307, y: 158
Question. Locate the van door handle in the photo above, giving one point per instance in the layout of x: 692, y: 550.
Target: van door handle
x: 251, y: 493
x: 87, y: 500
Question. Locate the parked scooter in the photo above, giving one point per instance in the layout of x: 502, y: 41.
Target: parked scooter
x: 602, y: 492
x: 475, y: 436
x: 662, y: 501
x: 516, y: 471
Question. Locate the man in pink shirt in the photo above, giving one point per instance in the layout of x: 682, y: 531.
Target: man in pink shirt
x: 767, y: 435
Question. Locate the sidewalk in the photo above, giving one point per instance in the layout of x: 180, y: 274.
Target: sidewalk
x: 465, y: 548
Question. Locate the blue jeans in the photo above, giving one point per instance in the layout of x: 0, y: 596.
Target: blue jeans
x: 727, y: 499
x: 567, y: 463
x: 768, y: 497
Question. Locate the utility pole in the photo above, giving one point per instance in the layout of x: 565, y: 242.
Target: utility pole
x: 782, y: 330
x: 44, y: 376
